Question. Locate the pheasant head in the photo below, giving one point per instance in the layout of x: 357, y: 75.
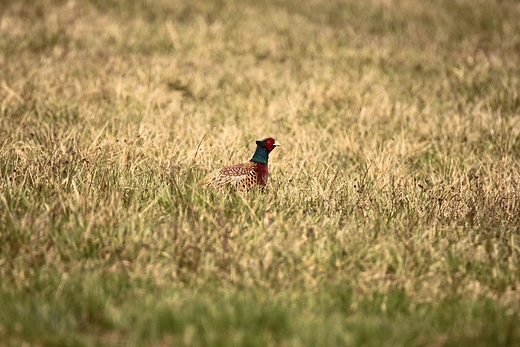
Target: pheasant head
x: 263, y: 148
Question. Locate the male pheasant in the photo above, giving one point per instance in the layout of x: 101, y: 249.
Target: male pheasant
x: 247, y: 175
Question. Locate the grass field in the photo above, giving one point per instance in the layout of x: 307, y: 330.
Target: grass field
x: 393, y: 211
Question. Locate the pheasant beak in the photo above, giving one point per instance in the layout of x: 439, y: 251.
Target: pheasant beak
x: 276, y: 143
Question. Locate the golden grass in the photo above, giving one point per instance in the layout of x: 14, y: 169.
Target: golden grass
x: 399, y: 167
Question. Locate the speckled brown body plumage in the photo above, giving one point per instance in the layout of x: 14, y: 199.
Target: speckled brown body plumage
x: 241, y: 176
x: 246, y: 176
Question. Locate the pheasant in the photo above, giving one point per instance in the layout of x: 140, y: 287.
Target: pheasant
x: 247, y: 175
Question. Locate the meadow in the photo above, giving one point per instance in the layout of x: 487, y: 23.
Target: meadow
x: 392, y: 216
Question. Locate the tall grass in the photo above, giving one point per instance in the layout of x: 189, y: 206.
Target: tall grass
x: 393, y: 210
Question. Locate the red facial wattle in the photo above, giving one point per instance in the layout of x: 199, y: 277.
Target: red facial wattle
x: 269, y: 144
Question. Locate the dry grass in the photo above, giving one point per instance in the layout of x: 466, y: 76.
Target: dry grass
x: 393, y: 211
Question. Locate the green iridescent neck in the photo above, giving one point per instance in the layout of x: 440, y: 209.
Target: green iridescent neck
x: 261, y: 155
